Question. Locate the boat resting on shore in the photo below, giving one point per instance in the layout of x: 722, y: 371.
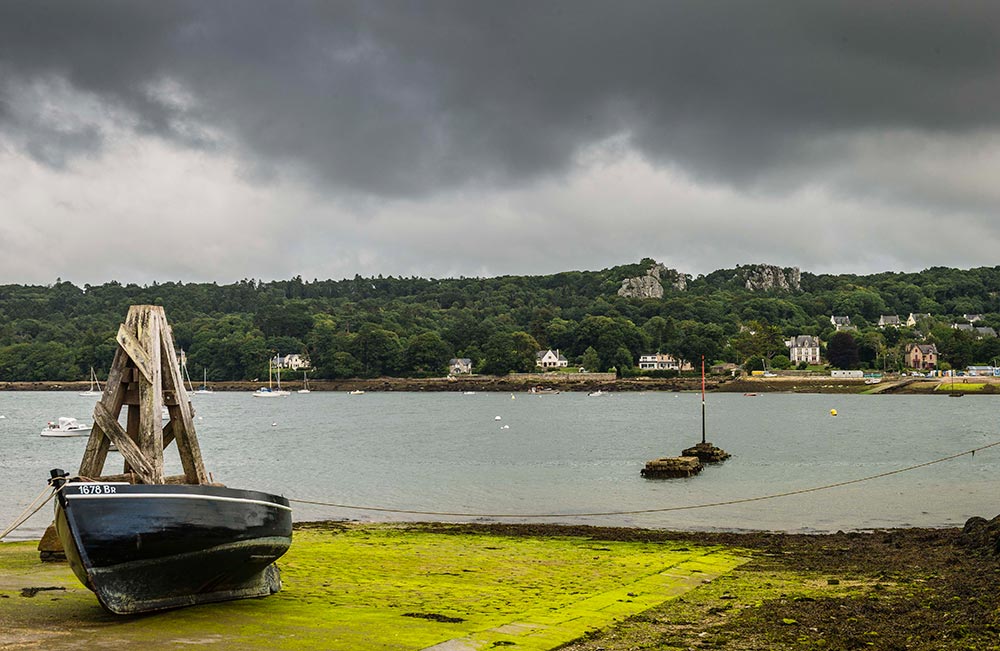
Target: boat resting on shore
x: 145, y: 547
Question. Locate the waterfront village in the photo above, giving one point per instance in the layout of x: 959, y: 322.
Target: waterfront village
x: 806, y: 354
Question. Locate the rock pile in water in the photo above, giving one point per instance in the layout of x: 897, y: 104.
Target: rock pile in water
x: 671, y: 467
x: 706, y: 453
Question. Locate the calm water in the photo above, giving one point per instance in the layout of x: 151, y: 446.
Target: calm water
x: 562, y: 454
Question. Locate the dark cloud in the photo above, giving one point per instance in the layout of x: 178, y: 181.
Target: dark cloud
x: 404, y: 99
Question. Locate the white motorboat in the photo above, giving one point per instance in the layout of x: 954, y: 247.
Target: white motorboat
x: 597, y: 394
x: 356, y: 392
x: 66, y: 427
x: 95, y: 386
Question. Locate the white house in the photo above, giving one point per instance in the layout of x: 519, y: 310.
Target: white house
x: 550, y: 359
x: 804, y: 348
x: 915, y: 317
x: 663, y: 362
x: 460, y: 366
x: 293, y: 361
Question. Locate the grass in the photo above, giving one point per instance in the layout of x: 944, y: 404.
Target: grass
x: 961, y: 387
x: 384, y: 587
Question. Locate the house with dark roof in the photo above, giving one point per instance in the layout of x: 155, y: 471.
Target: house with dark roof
x: 460, y: 366
x: 979, y: 332
x: 550, y: 359
x: 889, y: 320
x: 841, y: 322
x: 803, y: 348
x: 921, y: 356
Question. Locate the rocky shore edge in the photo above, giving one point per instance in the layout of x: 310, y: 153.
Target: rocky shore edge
x: 587, y: 382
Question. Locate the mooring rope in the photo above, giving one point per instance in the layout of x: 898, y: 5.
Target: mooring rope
x: 32, y: 508
x: 22, y: 518
x: 664, y: 509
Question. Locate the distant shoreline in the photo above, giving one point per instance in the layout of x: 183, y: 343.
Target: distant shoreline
x: 593, y: 382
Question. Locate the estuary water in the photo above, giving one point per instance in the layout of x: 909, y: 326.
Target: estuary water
x: 562, y: 455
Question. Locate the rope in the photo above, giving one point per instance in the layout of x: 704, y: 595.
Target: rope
x: 666, y: 509
x: 22, y: 518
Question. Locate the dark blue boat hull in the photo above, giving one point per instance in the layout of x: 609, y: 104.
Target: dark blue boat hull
x: 144, y: 547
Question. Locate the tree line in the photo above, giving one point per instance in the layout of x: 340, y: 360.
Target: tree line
x: 368, y: 327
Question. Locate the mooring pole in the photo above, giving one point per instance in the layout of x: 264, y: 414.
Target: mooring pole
x: 702, y: 398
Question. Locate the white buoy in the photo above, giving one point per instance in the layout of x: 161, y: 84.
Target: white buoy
x: 505, y: 427
x: 497, y: 418
x: 274, y: 424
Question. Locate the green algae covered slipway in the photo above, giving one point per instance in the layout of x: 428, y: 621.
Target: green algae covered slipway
x: 380, y: 587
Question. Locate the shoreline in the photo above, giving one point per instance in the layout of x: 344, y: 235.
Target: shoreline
x: 894, y: 588
x: 602, y: 381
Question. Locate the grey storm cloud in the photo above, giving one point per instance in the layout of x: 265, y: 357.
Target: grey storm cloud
x: 406, y: 99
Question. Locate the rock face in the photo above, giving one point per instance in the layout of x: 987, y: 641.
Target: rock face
x: 765, y: 277
x: 651, y: 285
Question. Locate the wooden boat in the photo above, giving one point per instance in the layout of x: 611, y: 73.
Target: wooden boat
x: 146, y: 547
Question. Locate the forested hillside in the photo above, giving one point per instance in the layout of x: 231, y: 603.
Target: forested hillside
x: 364, y: 327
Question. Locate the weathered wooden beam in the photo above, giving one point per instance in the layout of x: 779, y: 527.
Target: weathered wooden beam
x: 182, y: 414
x: 130, y: 478
x: 150, y: 438
x: 130, y: 343
x: 95, y: 456
x: 129, y: 450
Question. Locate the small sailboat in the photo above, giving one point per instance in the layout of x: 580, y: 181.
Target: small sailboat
x: 95, y: 385
x: 203, y: 389
x: 269, y: 391
x: 305, y: 384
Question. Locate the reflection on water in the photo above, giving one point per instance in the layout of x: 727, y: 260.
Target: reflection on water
x: 563, y: 454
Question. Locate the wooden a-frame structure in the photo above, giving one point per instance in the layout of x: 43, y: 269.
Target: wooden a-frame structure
x: 145, y: 376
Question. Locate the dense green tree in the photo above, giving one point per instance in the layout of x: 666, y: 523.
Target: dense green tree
x: 233, y: 329
x: 697, y: 340
x: 842, y: 351
x: 378, y: 350
x: 507, y: 352
x: 427, y: 354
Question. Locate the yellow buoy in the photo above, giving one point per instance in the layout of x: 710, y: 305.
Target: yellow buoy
x: 833, y: 412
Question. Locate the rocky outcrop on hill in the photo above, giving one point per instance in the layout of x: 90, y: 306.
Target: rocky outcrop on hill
x: 651, y: 285
x: 766, y: 277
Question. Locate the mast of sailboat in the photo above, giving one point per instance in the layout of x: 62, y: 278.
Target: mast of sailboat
x: 702, y: 398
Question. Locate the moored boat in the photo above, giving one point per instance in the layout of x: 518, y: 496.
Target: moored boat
x: 146, y: 547
x: 65, y: 427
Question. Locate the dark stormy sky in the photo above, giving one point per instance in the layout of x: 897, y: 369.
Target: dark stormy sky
x: 202, y: 141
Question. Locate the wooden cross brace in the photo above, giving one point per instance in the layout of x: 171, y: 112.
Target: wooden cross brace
x: 145, y: 376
